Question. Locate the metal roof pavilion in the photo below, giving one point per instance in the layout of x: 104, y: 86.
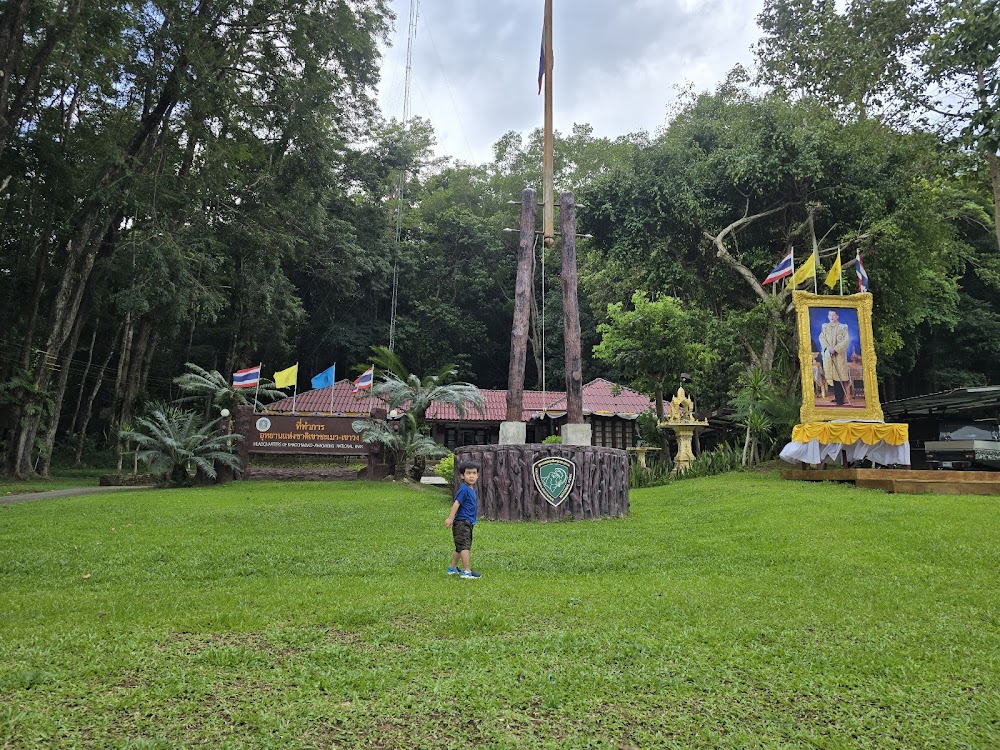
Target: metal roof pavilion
x: 982, y: 401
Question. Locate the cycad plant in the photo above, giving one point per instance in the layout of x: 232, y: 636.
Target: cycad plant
x: 179, y: 445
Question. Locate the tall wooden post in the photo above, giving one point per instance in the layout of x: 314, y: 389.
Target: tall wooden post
x: 522, y: 301
x: 548, y: 221
x: 571, y: 312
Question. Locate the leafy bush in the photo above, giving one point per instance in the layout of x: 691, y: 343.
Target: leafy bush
x: 719, y: 461
x: 649, y: 430
x: 446, y: 468
x: 553, y: 440
x: 652, y: 475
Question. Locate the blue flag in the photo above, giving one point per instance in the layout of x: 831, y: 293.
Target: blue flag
x: 326, y: 378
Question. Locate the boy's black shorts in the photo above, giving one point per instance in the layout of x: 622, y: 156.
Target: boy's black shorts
x: 462, y: 532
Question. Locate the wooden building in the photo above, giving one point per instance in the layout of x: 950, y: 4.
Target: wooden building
x: 610, y: 409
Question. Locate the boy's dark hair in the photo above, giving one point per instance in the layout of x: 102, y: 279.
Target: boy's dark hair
x: 468, y: 465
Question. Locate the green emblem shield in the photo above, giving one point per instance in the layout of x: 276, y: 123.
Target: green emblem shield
x: 554, y: 478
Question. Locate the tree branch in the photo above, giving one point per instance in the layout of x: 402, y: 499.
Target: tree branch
x: 722, y: 252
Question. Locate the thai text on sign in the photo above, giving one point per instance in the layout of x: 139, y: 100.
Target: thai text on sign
x: 280, y: 433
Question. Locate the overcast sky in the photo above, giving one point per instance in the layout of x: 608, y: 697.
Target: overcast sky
x: 475, y: 63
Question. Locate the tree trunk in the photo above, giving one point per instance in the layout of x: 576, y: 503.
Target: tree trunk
x: 130, y: 371
x: 124, y: 356
x: 664, y: 439
x: 994, y: 162
x: 74, y: 420
x: 746, y: 445
x: 93, y: 396
x: 522, y: 294
x: 60, y: 393
x: 36, y: 296
x: 571, y: 311
x: 13, y: 103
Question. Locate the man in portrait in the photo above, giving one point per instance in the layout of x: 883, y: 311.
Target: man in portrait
x: 834, y: 341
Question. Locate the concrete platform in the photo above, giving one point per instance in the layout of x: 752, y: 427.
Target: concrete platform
x: 902, y: 480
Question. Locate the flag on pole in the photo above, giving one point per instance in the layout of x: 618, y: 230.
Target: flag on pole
x: 541, y: 65
x: 806, y: 271
x: 833, y: 277
x: 287, y: 377
x: 247, y: 378
x: 862, y: 276
x: 325, y: 379
x: 364, y: 380
x: 783, y: 269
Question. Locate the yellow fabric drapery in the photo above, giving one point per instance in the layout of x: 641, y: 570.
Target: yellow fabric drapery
x: 850, y: 432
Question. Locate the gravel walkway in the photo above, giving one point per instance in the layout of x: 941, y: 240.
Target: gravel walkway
x: 47, y: 494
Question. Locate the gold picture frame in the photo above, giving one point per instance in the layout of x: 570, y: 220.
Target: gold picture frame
x: 837, y: 357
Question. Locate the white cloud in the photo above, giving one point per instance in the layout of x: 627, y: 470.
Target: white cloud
x: 475, y: 63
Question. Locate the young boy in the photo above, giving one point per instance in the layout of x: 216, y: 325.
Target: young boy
x: 463, y: 518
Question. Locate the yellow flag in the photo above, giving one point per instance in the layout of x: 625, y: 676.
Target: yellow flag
x: 286, y: 378
x: 806, y: 271
x: 833, y: 278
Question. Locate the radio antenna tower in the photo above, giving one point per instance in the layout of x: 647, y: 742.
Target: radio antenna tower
x: 411, y: 35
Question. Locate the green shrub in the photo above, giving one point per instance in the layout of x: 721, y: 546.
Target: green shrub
x: 446, y: 468
x: 654, y: 474
x: 553, y: 440
x: 719, y: 461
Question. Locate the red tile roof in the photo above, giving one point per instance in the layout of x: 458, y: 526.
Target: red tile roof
x: 599, y: 397
x: 345, y: 402
x: 604, y: 398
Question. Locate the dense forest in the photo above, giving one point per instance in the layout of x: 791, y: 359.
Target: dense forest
x: 210, y: 181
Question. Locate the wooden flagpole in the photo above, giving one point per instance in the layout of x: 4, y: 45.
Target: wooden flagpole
x: 548, y: 202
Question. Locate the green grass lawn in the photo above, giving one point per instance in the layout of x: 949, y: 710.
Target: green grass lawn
x: 731, y: 612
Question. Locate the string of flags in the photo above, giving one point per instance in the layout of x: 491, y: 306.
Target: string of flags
x: 811, y: 268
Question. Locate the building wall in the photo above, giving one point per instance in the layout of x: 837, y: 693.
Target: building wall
x: 607, y: 432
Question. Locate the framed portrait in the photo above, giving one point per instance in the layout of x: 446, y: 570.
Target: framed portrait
x: 837, y: 357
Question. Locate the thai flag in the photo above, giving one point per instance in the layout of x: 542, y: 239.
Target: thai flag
x: 247, y: 378
x: 862, y: 276
x: 783, y: 269
x: 364, y: 380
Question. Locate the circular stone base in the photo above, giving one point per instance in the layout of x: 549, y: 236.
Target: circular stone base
x: 507, y: 489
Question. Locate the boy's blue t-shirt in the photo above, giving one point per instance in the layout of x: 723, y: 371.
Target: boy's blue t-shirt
x: 468, y: 504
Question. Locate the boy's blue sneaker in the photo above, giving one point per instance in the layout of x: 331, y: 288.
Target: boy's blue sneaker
x: 453, y: 571
x: 470, y: 574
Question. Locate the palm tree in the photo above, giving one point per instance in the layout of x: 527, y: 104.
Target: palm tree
x: 412, y: 395
x: 401, y: 389
x: 200, y: 383
x: 409, y: 448
x: 178, y: 444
